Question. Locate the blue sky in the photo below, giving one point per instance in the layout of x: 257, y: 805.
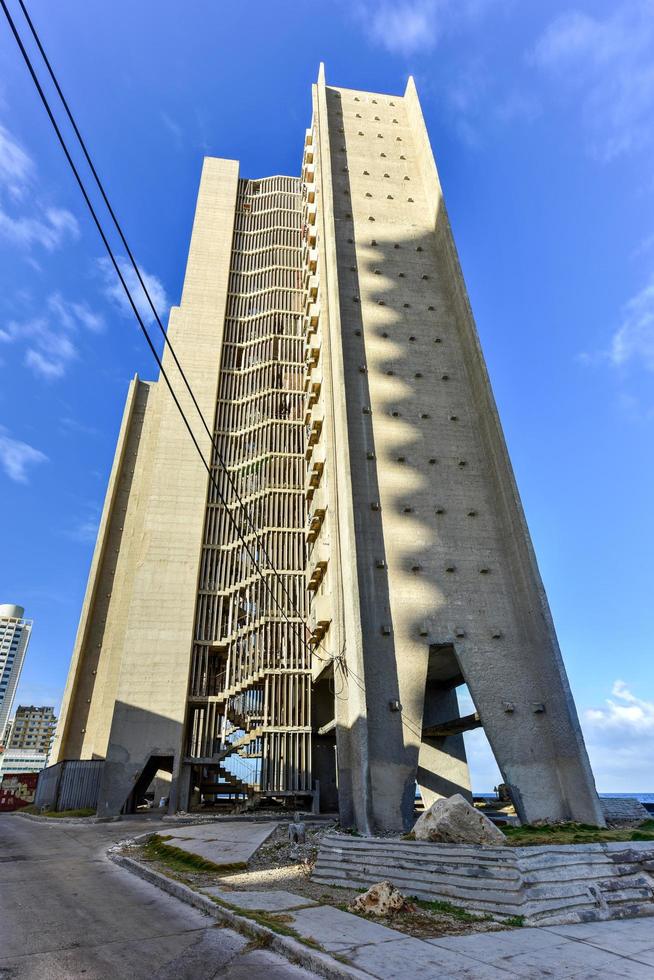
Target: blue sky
x: 542, y: 121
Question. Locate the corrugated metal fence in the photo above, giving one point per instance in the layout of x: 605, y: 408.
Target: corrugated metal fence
x: 72, y: 785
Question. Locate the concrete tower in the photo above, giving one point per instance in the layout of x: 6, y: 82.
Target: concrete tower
x: 326, y: 332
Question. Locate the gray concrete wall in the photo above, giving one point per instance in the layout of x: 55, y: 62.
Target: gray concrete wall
x: 545, y: 885
x: 151, y: 692
x: 126, y: 694
x: 428, y: 513
x: 88, y: 702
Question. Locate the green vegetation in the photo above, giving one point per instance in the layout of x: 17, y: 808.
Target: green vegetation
x: 156, y: 849
x: 575, y: 833
x: 517, y: 921
x: 71, y: 813
x: 36, y: 811
x: 275, y: 921
x: 445, y: 908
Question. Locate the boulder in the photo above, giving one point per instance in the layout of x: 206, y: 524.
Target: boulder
x: 455, y: 821
x: 382, y: 899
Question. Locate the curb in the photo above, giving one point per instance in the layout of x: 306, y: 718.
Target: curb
x: 321, y: 963
x: 64, y: 821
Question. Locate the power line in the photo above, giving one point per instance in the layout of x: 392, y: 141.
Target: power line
x: 142, y: 326
x: 337, y: 660
x: 146, y: 292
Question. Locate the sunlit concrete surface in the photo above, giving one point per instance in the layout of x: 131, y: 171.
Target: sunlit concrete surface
x: 67, y: 911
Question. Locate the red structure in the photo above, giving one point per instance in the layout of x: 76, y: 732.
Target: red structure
x: 17, y: 790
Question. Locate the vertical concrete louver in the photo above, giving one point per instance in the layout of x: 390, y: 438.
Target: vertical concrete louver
x: 326, y: 330
x: 250, y: 684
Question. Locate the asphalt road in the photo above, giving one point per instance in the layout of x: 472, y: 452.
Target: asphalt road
x: 67, y: 911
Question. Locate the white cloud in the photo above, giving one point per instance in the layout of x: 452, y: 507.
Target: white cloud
x: 37, y: 223
x: 17, y: 457
x: 629, y: 714
x: 608, y: 65
x: 634, y: 338
x: 620, y: 740
x: 404, y: 28
x: 50, y: 229
x: 113, y: 290
x: 16, y: 166
x: 51, y: 348
x: 408, y: 27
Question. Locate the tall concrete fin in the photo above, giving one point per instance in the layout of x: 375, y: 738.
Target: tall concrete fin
x: 525, y: 700
x: 169, y: 509
x: 87, y: 706
x: 354, y: 787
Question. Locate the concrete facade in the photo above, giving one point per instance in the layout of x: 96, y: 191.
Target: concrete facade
x: 15, y: 632
x: 420, y: 574
x: 33, y: 728
x: 435, y: 578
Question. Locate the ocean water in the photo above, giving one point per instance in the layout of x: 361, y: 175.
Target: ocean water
x: 643, y: 797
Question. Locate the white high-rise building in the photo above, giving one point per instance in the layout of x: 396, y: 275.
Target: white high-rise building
x: 14, y: 637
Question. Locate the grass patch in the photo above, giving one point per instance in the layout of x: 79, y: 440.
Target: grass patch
x: 55, y: 814
x: 445, y: 908
x: 175, y: 859
x: 275, y: 921
x: 517, y: 921
x: 575, y: 833
x: 71, y: 813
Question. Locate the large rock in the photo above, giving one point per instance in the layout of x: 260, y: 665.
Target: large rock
x: 455, y: 821
x: 381, y: 899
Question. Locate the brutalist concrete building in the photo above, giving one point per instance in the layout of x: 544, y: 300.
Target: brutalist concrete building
x: 295, y: 625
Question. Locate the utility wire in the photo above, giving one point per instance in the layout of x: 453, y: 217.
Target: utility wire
x: 130, y: 299
x: 146, y: 292
x: 338, y: 660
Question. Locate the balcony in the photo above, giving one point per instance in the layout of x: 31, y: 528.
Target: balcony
x: 308, y: 137
x: 311, y: 259
x: 318, y: 562
x: 314, y: 431
x: 320, y: 617
x: 312, y: 395
x: 315, y: 470
x: 314, y: 346
x: 312, y: 289
x: 316, y: 515
x: 311, y: 319
x: 313, y: 407
x: 312, y: 214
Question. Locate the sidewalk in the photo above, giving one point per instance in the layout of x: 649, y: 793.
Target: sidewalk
x: 220, y: 843
x: 599, y: 949
x: 615, y: 948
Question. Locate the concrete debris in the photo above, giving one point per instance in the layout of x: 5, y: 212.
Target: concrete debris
x: 297, y: 832
x: 382, y: 899
x: 455, y: 821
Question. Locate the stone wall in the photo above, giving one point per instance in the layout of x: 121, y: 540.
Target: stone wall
x: 546, y: 885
